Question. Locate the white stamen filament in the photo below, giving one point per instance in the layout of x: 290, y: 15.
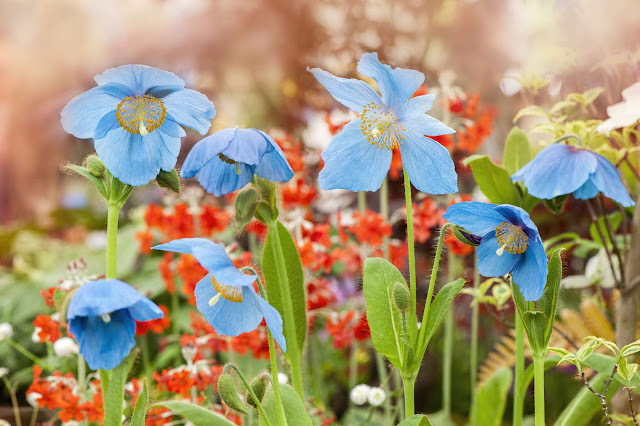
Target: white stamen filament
x: 214, y: 299
x: 106, y: 318
x: 501, y: 249
x: 143, y: 128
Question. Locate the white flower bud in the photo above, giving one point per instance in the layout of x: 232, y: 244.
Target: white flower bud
x: 65, y: 346
x: 359, y: 394
x: 3, y: 372
x: 376, y: 396
x: 6, y: 330
x: 34, y: 337
x: 282, y: 378
x: 32, y: 399
x: 189, y: 352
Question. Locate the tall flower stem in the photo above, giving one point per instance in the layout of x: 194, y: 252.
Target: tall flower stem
x: 448, y: 345
x: 474, y: 337
x: 362, y: 201
x: 383, y: 376
x: 410, y: 243
x: 518, y: 397
x: 538, y: 377
x: 24, y: 351
x: 353, y: 365
x: 112, y: 238
x: 275, y: 383
x: 384, y: 212
x: 408, y: 384
x: 292, y: 344
x: 14, y: 400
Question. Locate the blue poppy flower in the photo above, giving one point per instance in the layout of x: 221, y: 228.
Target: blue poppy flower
x: 102, y: 317
x: 226, y: 296
x: 135, y: 117
x: 561, y: 169
x: 359, y: 157
x: 510, y: 243
x: 227, y: 160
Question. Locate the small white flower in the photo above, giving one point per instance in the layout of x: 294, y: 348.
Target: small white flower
x: 65, y: 346
x: 34, y: 337
x: 597, y: 272
x: 359, y: 394
x: 376, y: 396
x: 6, y: 331
x: 3, y: 371
x: 282, y: 378
x: 189, y: 353
x: 625, y: 113
x: 32, y: 398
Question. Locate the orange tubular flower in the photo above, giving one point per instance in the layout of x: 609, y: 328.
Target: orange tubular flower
x: 48, y: 328
x: 370, y: 228
x: 426, y: 216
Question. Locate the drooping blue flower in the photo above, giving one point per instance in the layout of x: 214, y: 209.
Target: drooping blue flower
x: 228, y: 159
x: 135, y: 116
x: 561, y: 169
x: 359, y: 157
x: 102, y: 317
x: 510, y: 243
x: 226, y: 296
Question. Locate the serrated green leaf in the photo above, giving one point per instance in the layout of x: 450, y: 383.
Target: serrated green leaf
x: 295, y: 277
x: 517, y: 152
x: 197, y: 415
x: 491, y: 399
x: 494, y: 181
x: 531, y: 110
x: 294, y: 409
x: 140, y: 411
x: 384, y: 318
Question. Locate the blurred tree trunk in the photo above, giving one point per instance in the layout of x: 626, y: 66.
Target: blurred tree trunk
x: 627, y: 308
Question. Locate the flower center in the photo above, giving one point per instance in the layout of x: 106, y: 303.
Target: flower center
x: 229, y: 161
x: 511, y: 238
x: 381, y: 127
x: 229, y: 292
x: 141, y: 114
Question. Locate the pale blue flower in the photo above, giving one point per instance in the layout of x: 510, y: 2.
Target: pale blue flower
x: 359, y: 157
x: 135, y: 117
x: 226, y: 296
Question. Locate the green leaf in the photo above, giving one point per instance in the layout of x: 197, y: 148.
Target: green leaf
x: 245, y: 205
x: 585, y: 405
x: 96, y: 181
x: 294, y: 409
x: 494, y: 181
x: 437, y: 312
x: 517, y: 152
x: 115, y: 390
x: 549, y: 301
x: 416, y: 420
x: 140, y: 410
x: 535, y: 323
x: 491, y: 399
x: 615, y: 219
x: 197, y: 415
x: 384, y: 318
x: 631, y: 348
x: 295, y: 276
x: 531, y: 110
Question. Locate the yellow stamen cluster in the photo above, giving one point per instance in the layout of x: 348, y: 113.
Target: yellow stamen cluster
x: 511, y: 238
x: 226, y: 159
x: 229, y: 292
x: 141, y: 114
x: 381, y: 127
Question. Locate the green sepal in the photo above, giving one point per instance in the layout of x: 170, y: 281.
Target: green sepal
x: 169, y: 180
x: 245, y: 205
x: 85, y: 173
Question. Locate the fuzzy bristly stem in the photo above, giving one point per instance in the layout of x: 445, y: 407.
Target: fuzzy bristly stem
x: 518, y: 397
x: 410, y: 243
x: 384, y: 212
x: 287, y: 303
x: 447, y: 355
x: 244, y: 381
x: 475, y: 317
x: 538, y: 377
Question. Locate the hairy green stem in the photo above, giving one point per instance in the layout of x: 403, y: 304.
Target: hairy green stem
x: 112, y: 238
x: 538, y: 377
x: 384, y: 212
x: 248, y: 388
x: 518, y: 397
x: 474, y: 337
x: 287, y: 303
x: 447, y: 367
x: 410, y: 243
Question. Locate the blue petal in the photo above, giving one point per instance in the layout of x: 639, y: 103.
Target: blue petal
x: 248, y: 146
x: 489, y: 263
x: 220, y: 178
x: 137, y: 159
x: 428, y: 164
x: 607, y: 180
x: 139, y: 78
x: 586, y: 191
x: 274, y: 320
x: 106, y: 124
x: 104, y: 345
x: 212, y: 257
x: 428, y: 126
x: 145, y: 310
x: 81, y: 115
x: 352, y: 93
x: 205, y: 150
x: 557, y: 170
x: 530, y: 274
x: 415, y: 107
x: 475, y: 217
x: 351, y: 162
x: 171, y: 128
x: 519, y: 217
x: 228, y: 318
x: 190, y: 109
x: 274, y: 165
x: 397, y: 85
x: 100, y: 297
